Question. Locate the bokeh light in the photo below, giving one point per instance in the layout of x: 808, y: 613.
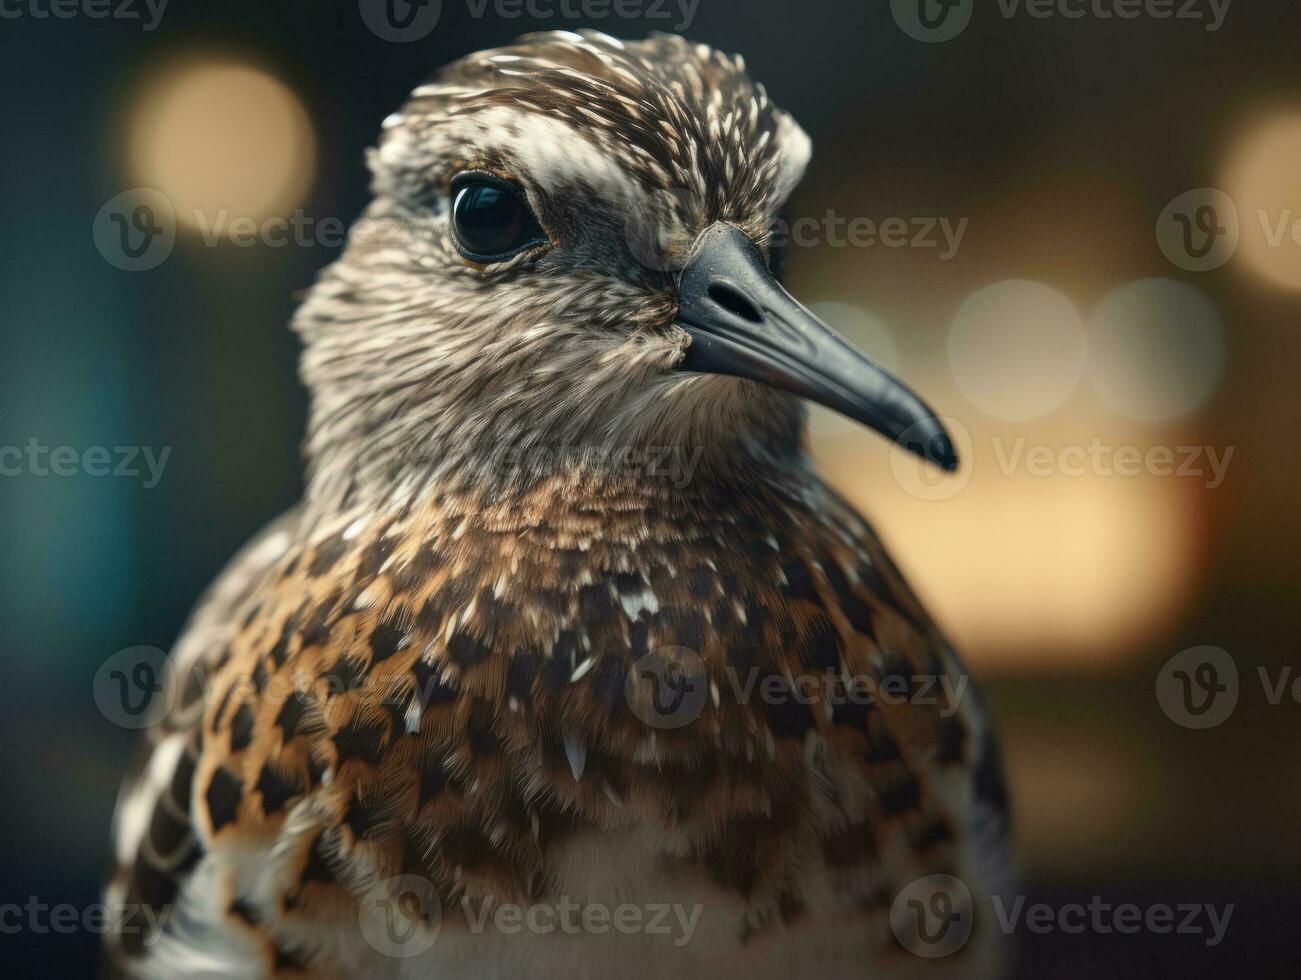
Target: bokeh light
x: 1264, y: 180
x: 223, y: 141
x: 1157, y: 349
x: 1017, y: 350
x: 990, y: 559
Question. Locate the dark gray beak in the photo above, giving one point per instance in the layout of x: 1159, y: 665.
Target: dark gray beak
x: 743, y: 323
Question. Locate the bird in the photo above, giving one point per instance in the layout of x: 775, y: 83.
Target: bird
x: 549, y: 673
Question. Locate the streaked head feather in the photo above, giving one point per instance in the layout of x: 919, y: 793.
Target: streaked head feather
x: 424, y: 368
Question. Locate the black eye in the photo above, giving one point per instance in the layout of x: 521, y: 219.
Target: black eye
x: 491, y: 219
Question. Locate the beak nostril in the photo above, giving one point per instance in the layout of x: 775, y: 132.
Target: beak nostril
x: 744, y: 324
x: 735, y: 302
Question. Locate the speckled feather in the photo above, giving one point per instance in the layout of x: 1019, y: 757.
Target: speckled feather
x: 423, y: 670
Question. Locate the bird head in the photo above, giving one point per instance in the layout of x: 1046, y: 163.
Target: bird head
x: 569, y: 259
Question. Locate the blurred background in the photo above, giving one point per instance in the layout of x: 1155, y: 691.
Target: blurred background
x: 1078, y: 236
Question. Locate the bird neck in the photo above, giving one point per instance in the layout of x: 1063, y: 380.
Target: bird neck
x: 734, y: 440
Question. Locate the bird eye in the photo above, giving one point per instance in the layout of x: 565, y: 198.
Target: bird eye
x: 491, y: 219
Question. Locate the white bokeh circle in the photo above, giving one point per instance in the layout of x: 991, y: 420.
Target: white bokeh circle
x: 1158, y: 349
x: 1017, y: 349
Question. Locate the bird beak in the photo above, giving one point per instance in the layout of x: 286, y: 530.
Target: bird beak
x: 743, y: 323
